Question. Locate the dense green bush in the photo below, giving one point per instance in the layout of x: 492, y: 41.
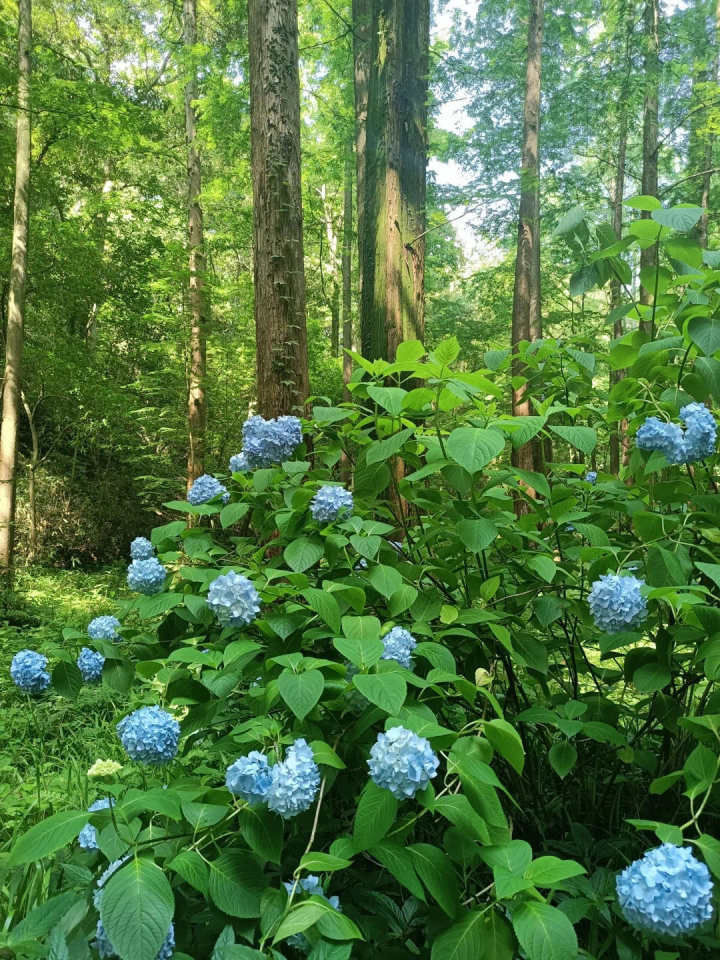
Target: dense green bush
x: 565, y: 752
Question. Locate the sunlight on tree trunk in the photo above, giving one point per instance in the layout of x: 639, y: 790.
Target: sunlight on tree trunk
x: 347, y: 268
x: 197, y: 400
x: 280, y: 328
x: 526, y: 319
x: 16, y: 302
x: 649, y: 256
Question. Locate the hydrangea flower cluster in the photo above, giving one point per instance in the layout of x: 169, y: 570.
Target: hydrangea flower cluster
x: 399, y: 644
x: 87, y: 838
x: 141, y: 549
x: 150, y: 735
x: 146, y: 576
x: 90, y: 663
x: 233, y: 599
x: 667, y: 891
x: 616, y: 602
x: 667, y: 438
x: 294, y: 782
x: 28, y: 672
x: 331, y: 502
x: 206, y: 488
x: 312, y: 886
x: 249, y: 777
x: 104, y: 628
x: 402, y: 762
x: 267, y: 442
x: 104, y: 768
x: 238, y: 463
x: 700, y: 431
x: 591, y: 476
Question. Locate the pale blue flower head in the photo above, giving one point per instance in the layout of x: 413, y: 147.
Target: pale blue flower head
x: 665, y: 437
x: 206, y: 488
x: 267, y: 442
x: 141, y: 549
x: 90, y: 664
x: 616, y: 602
x: 146, y: 576
x: 233, y: 599
x: 249, y: 777
x: 104, y: 628
x: 28, y: 672
x: 402, y: 762
x: 667, y: 891
x: 399, y: 644
x: 591, y: 476
x: 238, y: 463
x: 294, y: 782
x: 700, y: 431
x: 87, y: 838
x: 331, y: 503
x: 150, y: 735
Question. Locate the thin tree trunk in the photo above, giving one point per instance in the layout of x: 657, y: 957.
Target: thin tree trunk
x: 16, y: 302
x: 649, y: 256
x: 32, y: 475
x: 197, y: 400
x: 702, y: 228
x: 280, y: 327
x: 347, y: 269
x: 526, y: 323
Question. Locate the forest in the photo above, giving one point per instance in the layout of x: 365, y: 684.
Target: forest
x: 359, y: 522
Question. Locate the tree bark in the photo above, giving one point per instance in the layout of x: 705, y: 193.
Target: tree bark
x: 526, y: 318
x: 197, y: 400
x: 347, y: 269
x: 649, y: 256
x: 708, y: 140
x: 279, y: 272
x: 391, y: 89
x: 16, y: 302
x: 32, y: 476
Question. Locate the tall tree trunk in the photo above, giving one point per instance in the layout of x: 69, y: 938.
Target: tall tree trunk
x: 619, y: 437
x: 347, y: 268
x: 708, y: 139
x: 649, y: 256
x: 391, y: 85
x: 32, y: 476
x: 16, y: 302
x: 197, y: 400
x: 280, y: 328
x: 526, y: 323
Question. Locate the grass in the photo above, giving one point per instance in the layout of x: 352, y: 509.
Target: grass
x: 48, y: 743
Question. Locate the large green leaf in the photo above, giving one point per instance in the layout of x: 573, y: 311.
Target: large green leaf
x: 678, y: 218
x: 48, y: 836
x: 385, y: 690
x: 473, y: 448
x: 544, y: 932
x: 303, y: 553
x: 478, y: 936
x: 583, y: 438
x: 362, y: 644
x: 506, y: 740
x: 381, y: 450
x: 236, y: 883
x: 436, y: 871
x: 136, y: 909
x: 476, y: 534
x: 325, y: 605
x: 386, y: 580
x: 67, y: 680
x: 705, y: 333
x: 301, y: 691
x: 374, y: 816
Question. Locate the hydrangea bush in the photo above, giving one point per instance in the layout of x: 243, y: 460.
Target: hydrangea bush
x: 478, y: 711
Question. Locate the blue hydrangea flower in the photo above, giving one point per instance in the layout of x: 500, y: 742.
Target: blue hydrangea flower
x: 249, y: 777
x: 616, y: 602
x: 668, y: 438
x: 206, y: 488
x: 146, y: 576
x: 238, y: 463
x: 233, y: 599
x: 591, y: 476
x: 87, y: 838
x: 667, y: 891
x: 90, y: 663
x: 267, y: 442
x: 402, y: 762
x: 294, y: 782
x: 141, y: 549
x: 331, y: 502
x: 104, y: 628
x: 312, y: 886
x: 700, y: 431
x: 28, y: 672
x: 150, y: 735
x: 105, y: 948
x: 399, y: 644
